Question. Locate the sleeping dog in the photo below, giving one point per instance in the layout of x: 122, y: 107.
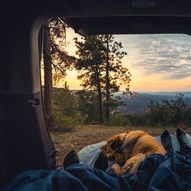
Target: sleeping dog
x: 130, y: 149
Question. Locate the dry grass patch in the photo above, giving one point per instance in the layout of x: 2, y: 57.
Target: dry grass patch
x: 80, y: 136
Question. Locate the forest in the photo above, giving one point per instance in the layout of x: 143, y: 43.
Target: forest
x: 98, y: 60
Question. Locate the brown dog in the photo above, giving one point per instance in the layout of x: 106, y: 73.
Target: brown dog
x: 130, y: 149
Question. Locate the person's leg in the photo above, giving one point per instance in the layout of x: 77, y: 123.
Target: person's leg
x: 73, y: 158
x: 166, y: 141
x: 93, y: 178
x: 183, y: 141
x: 141, y: 179
x: 70, y: 159
x: 101, y: 162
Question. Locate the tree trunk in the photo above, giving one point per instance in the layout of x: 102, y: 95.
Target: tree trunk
x: 107, y: 83
x: 99, y: 91
x: 47, y: 72
x: 100, y: 103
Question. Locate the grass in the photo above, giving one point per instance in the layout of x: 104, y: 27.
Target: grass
x: 79, y: 136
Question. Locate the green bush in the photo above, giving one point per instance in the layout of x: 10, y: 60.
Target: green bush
x: 117, y: 120
x: 60, y: 121
x: 169, y: 113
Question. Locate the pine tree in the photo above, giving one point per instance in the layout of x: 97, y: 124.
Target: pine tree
x: 100, y: 67
x: 54, y: 58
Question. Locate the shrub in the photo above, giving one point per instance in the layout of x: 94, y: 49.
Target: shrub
x: 117, y: 120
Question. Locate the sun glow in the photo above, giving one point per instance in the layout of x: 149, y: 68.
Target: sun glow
x: 156, y: 62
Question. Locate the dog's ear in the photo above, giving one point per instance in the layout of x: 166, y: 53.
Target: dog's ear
x: 115, y: 144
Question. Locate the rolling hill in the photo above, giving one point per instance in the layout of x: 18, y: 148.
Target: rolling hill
x: 138, y: 102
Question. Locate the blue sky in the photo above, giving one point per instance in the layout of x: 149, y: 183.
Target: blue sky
x: 169, y: 54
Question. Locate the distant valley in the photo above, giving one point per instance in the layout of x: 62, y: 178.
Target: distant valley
x: 138, y: 102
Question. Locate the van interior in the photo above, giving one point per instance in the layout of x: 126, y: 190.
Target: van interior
x: 25, y: 142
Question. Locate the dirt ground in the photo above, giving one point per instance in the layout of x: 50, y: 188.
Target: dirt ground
x: 80, y: 136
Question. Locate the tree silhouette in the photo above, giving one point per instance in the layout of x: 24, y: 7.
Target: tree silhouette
x: 115, y: 73
x: 100, y: 67
x: 54, y: 57
x: 91, y: 53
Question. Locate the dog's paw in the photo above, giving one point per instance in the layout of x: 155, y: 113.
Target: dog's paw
x: 133, y: 163
x: 116, y: 168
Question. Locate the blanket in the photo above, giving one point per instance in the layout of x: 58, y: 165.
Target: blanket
x: 171, y: 172
x: 89, y: 154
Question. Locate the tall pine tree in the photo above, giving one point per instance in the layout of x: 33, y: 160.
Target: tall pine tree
x: 100, y: 67
x: 54, y: 58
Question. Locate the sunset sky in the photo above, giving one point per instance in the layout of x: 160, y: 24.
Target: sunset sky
x: 157, y: 62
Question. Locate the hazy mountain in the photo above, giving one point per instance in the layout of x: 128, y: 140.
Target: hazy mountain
x: 172, y: 94
x: 138, y: 102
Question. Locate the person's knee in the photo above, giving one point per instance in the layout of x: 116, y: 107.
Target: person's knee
x: 79, y: 170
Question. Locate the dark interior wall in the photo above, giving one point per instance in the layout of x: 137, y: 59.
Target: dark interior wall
x: 24, y: 140
x: 15, y: 70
